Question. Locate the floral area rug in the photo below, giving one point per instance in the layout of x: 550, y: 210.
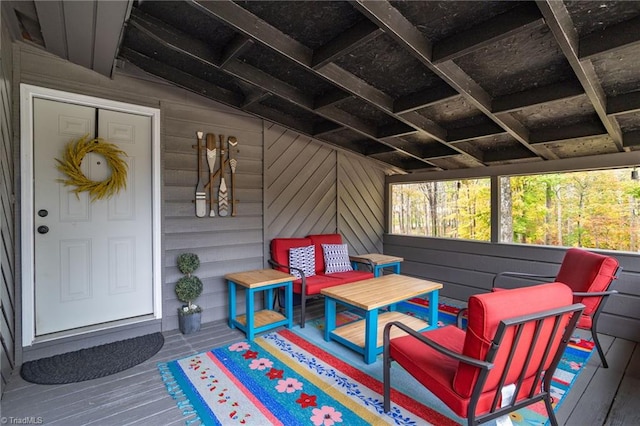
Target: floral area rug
x: 281, y: 379
x: 293, y: 377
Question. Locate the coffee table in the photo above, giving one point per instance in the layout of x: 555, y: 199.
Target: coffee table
x: 258, y: 281
x: 370, y: 295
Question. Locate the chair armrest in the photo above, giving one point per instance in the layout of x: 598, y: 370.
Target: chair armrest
x: 275, y: 264
x: 524, y: 276
x: 356, y: 259
x: 436, y: 346
x: 595, y: 293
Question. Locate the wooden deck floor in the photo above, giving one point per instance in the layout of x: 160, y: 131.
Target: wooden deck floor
x: 138, y: 396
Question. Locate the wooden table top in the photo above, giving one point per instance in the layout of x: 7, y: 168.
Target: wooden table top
x: 378, y: 292
x: 259, y: 277
x: 376, y: 258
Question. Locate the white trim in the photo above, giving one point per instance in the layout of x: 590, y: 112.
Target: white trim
x: 27, y: 94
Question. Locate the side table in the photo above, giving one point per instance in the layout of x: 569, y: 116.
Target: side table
x: 377, y: 262
x: 256, y: 281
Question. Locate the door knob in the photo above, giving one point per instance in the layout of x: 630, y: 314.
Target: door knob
x: 43, y: 213
x: 42, y: 229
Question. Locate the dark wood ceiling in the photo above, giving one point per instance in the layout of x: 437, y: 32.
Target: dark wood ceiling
x: 415, y: 85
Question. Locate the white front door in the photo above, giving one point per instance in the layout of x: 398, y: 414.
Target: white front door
x: 93, y: 259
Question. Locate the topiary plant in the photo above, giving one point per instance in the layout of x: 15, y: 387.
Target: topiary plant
x: 189, y: 287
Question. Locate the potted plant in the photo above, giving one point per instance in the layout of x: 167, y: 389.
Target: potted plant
x: 188, y: 288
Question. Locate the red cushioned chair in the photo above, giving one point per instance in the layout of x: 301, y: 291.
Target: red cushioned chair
x: 589, y: 275
x: 514, y: 338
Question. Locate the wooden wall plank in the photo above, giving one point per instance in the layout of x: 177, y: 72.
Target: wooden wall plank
x: 7, y: 214
x: 300, y: 185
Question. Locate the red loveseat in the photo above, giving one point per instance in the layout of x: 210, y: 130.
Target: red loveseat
x: 310, y: 286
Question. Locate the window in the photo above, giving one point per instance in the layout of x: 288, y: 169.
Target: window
x: 450, y: 209
x: 591, y: 209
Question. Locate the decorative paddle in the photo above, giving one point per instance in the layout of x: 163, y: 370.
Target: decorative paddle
x: 233, y: 162
x: 211, y: 161
x: 201, y: 196
x: 223, y: 195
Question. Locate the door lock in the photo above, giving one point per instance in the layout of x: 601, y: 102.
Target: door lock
x: 42, y: 229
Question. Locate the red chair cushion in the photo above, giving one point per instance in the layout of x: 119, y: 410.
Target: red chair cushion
x: 430, y: 366
x: 437, y: 370
x: 352, y: 276
x: 318, y: 240
x: 280, y: 249
x: 316, y: 283
x: 484, y: 315
x: 585, y: 271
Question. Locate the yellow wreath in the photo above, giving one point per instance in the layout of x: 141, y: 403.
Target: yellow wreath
x: 72, y: 160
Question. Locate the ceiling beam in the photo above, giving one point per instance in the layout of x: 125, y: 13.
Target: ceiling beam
x: 331, y: 98
x: 521, y: 18
x: 623, y: 104
x: 559, y: 21
x: 632, y: 139
x: 408, y: 36
x: 348, y: 41
x: 429, y: 96
x: 537, y: 96
x: 611, y: 38
x: 562, y: 134
x: 181, y: 78
x: 245, y: 22
x: 234, y: 48
x: 475, y: 132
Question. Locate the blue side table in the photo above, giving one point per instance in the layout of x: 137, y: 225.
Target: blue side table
x: 377, y: 262
x: 256, y: 281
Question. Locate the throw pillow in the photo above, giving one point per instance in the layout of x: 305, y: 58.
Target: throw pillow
x: 303, y: 258
x: 336, y: 258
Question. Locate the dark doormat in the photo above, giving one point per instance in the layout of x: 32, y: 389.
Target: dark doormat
x: 94, y: 362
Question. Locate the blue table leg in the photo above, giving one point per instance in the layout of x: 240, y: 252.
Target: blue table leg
x: 288, y: 310
x: 433, y: 309
x: 377, y: 271
x: 371, y: 336
x: 232, y: 303
x: 249, y: 313
x: 268, y: 298
x: 396, y: 267
x: 329, y: 317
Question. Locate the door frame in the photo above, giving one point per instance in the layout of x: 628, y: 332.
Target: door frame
x: 27, y: 227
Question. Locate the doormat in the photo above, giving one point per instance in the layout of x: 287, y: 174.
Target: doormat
x: 92, y: 363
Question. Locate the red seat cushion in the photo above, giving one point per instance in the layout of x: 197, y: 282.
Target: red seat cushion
x: 316, y: 283
x: 352, y: 276
x: 484, y: 315
x: 280, y: 249
x: 318, y: 240
x: 585, y: 271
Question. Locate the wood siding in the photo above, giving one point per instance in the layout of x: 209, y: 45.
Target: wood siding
x: 224, y: 244
x: 466, y: 268
x: 313, y: 189
x: 7, y: 215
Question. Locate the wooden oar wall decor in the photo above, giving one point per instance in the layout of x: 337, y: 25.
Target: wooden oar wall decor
x: 232, y: 151
x: 201, y: 196
x: 211, y: 152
